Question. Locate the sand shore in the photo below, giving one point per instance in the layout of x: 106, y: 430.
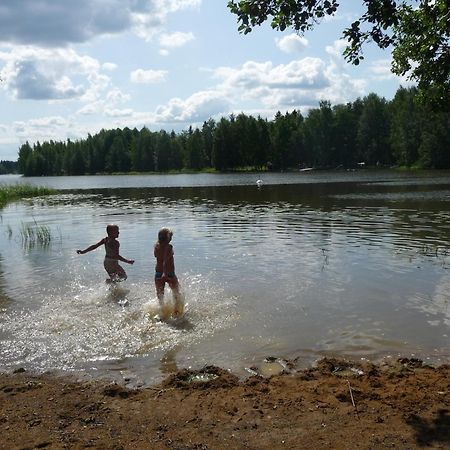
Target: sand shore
x: 335, y: 405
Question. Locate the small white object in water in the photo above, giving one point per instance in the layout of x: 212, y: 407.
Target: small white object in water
x: 259, y: 183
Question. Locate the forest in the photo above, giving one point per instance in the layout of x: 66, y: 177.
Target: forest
x: 371, y: 131
x: 8, y: 167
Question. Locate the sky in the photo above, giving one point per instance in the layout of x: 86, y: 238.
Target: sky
x: 72, y: 68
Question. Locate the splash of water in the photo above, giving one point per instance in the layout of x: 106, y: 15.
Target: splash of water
x: 81, y: 324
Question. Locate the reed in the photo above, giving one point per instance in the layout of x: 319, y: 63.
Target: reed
x: 34, y: 234
x: 10, y: 193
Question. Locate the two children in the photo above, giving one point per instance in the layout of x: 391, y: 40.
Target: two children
x: 164, y: 270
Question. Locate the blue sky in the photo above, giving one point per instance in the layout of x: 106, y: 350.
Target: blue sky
x: 72, y: 68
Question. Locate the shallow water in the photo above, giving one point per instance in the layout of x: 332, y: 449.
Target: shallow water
x: 345, y: 263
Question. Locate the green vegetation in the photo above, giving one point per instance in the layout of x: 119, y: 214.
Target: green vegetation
x: 8, y: 167
x: 34, y: 234
x: 401, y: 132
x: 417, y: 31
x: 18, y: 191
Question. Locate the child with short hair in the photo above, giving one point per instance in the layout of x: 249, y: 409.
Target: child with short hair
x: 165, y: 271
x: 112, y: 257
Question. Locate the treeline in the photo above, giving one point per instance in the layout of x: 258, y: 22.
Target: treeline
x: 401, y: 132
x: 8, y: 167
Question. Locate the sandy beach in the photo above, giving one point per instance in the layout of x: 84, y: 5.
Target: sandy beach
x: 336, y: 404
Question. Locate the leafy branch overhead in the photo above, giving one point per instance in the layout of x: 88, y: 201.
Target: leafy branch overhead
x: 417, y: 31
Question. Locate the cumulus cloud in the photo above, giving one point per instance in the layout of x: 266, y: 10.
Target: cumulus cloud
x: 109, y: 66
x: 264, y: 79
x: 42, y: 129
x: 115, y: 96
x: 175, y: 40
x: 50, y: 74
x: 199, y: 106
x: 381, y: 70
x: 127, y: 112
x: 299, y: 84
x: 304, y: 73
x: 336, y: 50
x: 106, y: 104
x: 58, y: 23
x: 148, y: 76
x: 293, y: 43
x: 31, y: 83
x: 51, y: 23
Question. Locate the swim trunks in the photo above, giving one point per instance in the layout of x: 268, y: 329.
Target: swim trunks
x: 160, y: 274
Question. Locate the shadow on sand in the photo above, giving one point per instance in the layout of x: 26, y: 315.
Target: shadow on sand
x: 434, y: 431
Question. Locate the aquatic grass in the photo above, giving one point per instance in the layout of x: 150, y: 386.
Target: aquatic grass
x: 33, y: 234
x: 10, y: 193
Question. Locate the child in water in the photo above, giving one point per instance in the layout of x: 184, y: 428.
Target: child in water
x: 112, y: 256
x: 165, y: 272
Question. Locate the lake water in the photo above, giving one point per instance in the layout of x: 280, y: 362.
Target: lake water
x: 309, y: 264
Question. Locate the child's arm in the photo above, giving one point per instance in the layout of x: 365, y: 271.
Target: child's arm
x: 91, y: 247
x: 128, y: 261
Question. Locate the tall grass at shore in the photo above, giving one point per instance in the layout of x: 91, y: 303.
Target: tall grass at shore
x: 10, y: 193
x: 33, y: 234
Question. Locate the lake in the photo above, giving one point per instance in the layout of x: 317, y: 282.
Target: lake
x: 313, y: 264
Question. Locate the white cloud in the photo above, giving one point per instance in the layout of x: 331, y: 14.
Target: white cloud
x: 148, y: 76
x: 41, y: 129
x: 107, y: 104
x: 148, y: 22
x: 336, y: 50
x: 299, y: 84
x: 293, y: 43
x: 109, y: 66
x: 91, y: 109
x: 127, y: 112
x: 115, y: 96
x: 307, y: 73
x: 199, y: 106
x: 380, y: 70
x: 304, y: 73
x: 175, y: 40
x: 50, y: 74
x: 177, y: 5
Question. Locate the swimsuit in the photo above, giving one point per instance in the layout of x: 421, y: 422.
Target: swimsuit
x: 160, y: 274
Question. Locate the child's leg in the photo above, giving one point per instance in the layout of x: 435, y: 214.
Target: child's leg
x: 115, y: 271
x: 159, y: 285
x: 177, y: 296
x: 120, y: 273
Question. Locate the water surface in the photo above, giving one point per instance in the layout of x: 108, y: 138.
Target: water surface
x: 346, y: 263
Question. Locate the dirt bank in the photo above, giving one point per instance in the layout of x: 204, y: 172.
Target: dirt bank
x: 336, y: 405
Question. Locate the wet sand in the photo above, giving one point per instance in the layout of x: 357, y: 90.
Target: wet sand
x: 335, y: 405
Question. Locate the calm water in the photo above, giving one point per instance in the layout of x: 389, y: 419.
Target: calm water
x: 309, y: 264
